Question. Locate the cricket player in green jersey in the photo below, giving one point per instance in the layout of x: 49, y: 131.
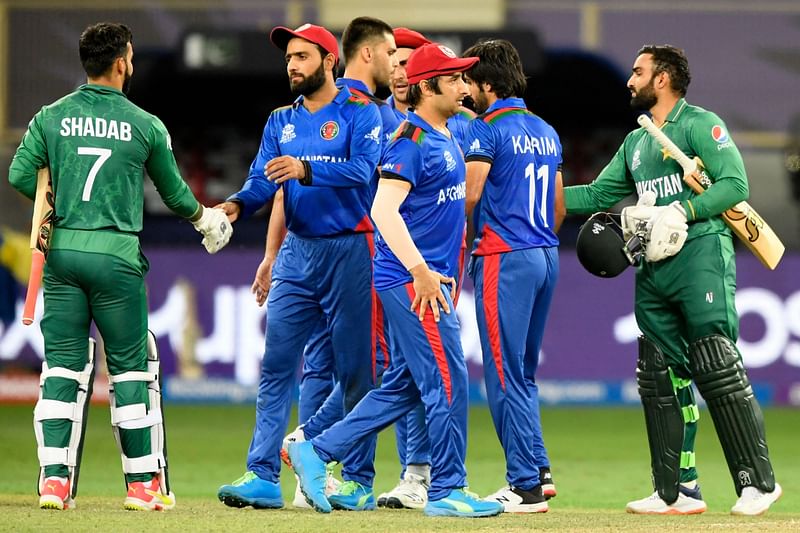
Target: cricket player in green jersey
x: 97, y: 145
x: 685, y: 291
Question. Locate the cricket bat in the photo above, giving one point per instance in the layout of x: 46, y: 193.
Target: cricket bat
x: 41, y: 231
x: 743, y: 220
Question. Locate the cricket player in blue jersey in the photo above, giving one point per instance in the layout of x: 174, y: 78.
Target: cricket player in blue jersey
x: 419, y: 202
x: 321, y: 152
x: 369, y: 49
x: 515, y: 194
x: 413, y: 446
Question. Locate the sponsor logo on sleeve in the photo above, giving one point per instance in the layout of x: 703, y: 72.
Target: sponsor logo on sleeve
x: 329, y: 130
x: 392, y: 167
x: 287, y: 134
x: 720, y: 135
x: 636, y: 161
x: 475, y: 146
x: 374, y: 135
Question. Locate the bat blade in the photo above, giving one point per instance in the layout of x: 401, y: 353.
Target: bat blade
x: 41, y: 232
x: 743, y: 220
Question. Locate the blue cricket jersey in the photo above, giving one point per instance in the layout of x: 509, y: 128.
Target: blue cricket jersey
x: 458, y: 124
x: 433, y: 211
x: 389, y: 118
x: 340, y: 146
x: 516, y: 210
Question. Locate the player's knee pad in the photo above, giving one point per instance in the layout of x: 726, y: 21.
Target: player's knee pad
x: 720, y: 377
x: 77, y: 412
x: 663, y: 418
x: 138, y: 416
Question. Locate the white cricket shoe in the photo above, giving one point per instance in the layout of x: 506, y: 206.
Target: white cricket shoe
x: 516, y: 500
x: 331, y: 486
x: 295, y: 436
x: 410, y: 493
x: 754, y: 502
x: 689, y: 501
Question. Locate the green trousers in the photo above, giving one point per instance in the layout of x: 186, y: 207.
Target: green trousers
x: 681, y: 299
x: 81, y: 287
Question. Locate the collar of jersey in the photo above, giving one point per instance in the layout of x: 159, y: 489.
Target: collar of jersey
x: 100, y: 89
x: 418, y: 121
x: 354, y: 84
x: 677, y: 110
x: 340, y: 98
x: 501, y: 103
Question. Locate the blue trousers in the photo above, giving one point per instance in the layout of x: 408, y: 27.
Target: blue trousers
x: 513, y: 291
x: 312, y: 278
x: 317, y: 379
x: 427, y: 364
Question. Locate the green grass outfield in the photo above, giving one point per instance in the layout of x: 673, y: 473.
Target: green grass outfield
x: 599, y: 457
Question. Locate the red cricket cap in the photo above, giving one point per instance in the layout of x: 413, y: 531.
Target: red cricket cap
x: 405, y: 38
x: 434, y: 59
x: 281, y: 35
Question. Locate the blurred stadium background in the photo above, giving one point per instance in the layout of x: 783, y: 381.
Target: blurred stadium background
x: 207, y: 69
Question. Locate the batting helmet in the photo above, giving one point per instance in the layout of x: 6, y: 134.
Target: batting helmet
x: 601, y: 249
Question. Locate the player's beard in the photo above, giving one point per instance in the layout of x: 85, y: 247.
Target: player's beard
x: 311, y: 84
x: 480, y: 102
x: 126, y: 83
x: 645, y: 98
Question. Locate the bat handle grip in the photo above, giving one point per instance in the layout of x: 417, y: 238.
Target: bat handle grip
x: 34, y: 282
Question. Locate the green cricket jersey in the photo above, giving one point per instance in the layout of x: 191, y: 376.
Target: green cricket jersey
x: 97, y: 145
x: 641, y: 164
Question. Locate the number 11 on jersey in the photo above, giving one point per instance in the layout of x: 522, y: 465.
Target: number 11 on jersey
x: 541, y: 174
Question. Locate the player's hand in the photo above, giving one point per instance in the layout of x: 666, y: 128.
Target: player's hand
x: 668, y: 232
x: 428, y: 291
x: 232, y: 209
x: 263, y: 280
x: 634, y: 218
x: 213, y: 224
x: 284, y: 168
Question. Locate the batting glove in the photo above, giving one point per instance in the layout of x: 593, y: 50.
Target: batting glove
x: 216, y: 230
x: 635, y: 218
x: 668, y: 231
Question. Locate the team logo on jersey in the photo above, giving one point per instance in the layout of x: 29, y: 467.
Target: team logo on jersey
x: 475, y: 146
x: 636, y: 161
x: 329, y: 130
x: 448, y: 158
x: 446, y: 51
x: 374, y: 135
x: 287, y: 134
x: 719, y: 134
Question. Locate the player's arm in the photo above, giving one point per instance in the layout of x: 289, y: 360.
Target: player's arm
x: 479, y: 157
x: 357, y: 171
x: 31, y: 155
x: 163, y: 170
x: 612, y: 185
x: 257, y: 189
x: 723, y: 164
x: 276, y: 233
x: 560, y: 206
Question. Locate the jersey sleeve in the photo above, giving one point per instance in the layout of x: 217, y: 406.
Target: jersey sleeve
x: 365, y: 154
x: 612, y: 185
x: 257, y: 189
x: 163, y: 170
x: 31, y: 155
x: 402, y: 161
x: 482, y: 144
x: 710, y: 140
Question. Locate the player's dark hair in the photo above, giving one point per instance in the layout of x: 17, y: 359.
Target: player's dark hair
x: 359, y: 31
x: 415, y: 93
x: 101, y: 44
x: 673, y: 61
x: 499, y: 66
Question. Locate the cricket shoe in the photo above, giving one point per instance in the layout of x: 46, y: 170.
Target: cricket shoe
x: 517, y: 500
x: 353, y: 496
x: 548, y: 486
x: 311, y: 473
x: 251, y: 490
x: 147, y: 496
x: 464, y: 504
x: 295, y: 436
x: 754, y: 502
x: 410, y: 493
x: 55, y: 494
x: 331, y: 486
x: 689, y: 501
